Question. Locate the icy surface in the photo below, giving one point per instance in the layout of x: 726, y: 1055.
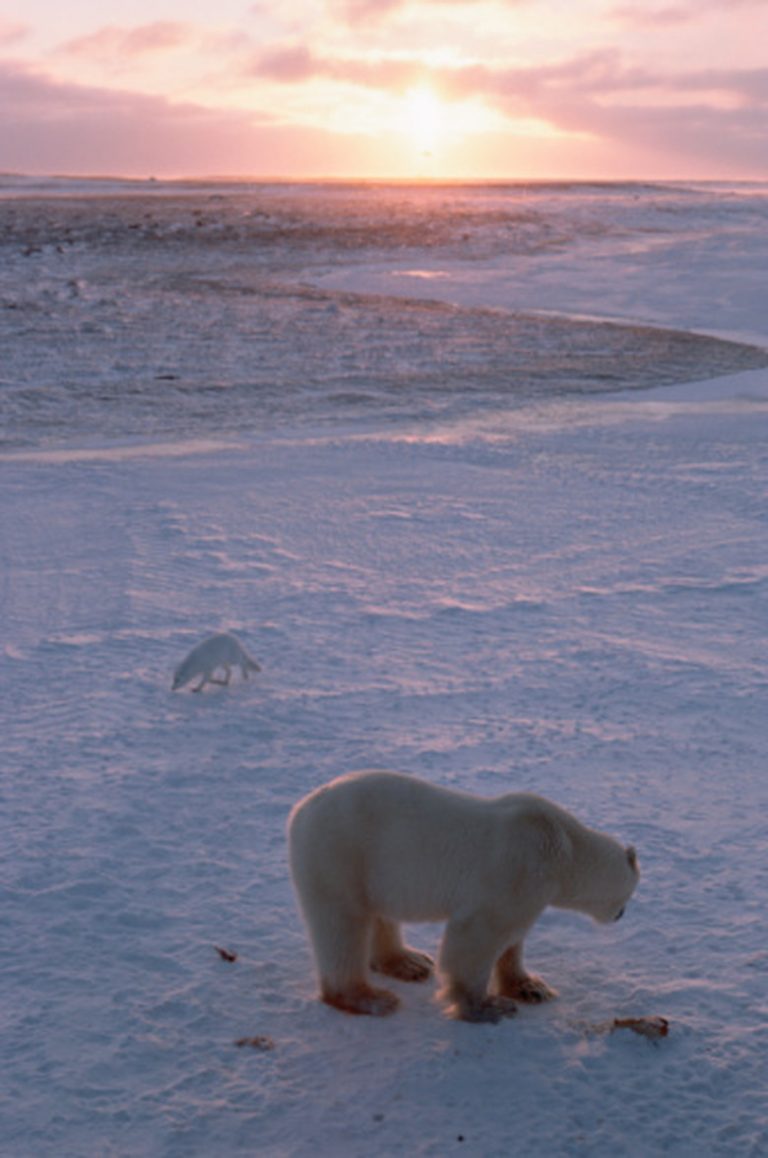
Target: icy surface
x: 562, y: 591
x: 181, y: 312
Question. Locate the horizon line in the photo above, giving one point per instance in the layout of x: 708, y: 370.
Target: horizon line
x: 283, y: 179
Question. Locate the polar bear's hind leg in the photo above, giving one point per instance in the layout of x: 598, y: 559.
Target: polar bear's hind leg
x: 341, y: 940
x: 361, y: 998
x: 391, y: 957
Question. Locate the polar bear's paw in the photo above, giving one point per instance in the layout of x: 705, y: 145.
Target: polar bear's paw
x: 362, y: 999
x: 490, y: 1009
x: 405, y: 965
x: 532, y: 990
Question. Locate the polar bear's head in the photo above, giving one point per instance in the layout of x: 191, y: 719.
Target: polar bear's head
x: 603, y: 876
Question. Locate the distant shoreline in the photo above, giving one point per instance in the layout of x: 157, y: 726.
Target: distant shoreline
x: 23, y: 184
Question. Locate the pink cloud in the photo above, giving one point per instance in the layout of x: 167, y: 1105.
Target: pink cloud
x: 54, y: 126
x: 653, y: 17
x: 591, y: 93
x: 11, y: 33
x: 289, y: 64
x: 641, y: 14
x: 295, y: 63
x: 598, y: 71
x: 51, y: 127
x: 354, y: 11
x: 112, y: 41
x: 574, y: 83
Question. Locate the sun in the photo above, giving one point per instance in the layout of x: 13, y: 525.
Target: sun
x: 424, y: 117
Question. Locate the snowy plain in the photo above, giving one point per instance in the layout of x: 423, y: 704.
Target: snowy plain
x: 554, y: 585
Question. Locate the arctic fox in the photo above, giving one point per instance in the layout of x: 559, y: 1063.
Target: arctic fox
x: 217, y: 651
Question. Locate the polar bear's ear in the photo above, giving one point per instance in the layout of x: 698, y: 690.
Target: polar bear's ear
x: 632, y: 857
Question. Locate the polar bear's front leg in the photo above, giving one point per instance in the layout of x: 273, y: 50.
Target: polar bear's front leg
x: 390, y: 956
x: 467, y: 955
x: 511, y: 979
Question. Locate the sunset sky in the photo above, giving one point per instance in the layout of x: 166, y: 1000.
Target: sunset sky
x: 385, y: 88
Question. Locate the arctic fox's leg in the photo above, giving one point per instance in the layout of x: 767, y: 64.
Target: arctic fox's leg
x: 467, y: 955
x: 203, y: 681
x: 389, y: 955
x: 511, y: 979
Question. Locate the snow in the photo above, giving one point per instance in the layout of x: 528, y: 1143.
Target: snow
x: 564, y: 594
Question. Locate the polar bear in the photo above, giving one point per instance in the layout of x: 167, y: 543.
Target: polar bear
x: 374, y: 848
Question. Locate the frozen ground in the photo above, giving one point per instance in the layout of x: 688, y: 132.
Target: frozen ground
x: 566, y: 595
x: 190, y: 311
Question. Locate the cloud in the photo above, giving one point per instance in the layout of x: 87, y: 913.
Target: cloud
x: 288, y: 64
x: 354, y: 11
x: 55, y: 127
x: 597, y: 80
x: 713, y: 142
x: 748, y: 87
x: 598, y: 71
x: 707, y: 121
x: 715, y: 114
x: 707, y: 117
x: 653, y: 17
x: 12, y: 33
x: 641, y: 15
x: 115, y: 42
x: 294, y: 63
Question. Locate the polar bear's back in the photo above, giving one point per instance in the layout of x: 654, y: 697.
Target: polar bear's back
x: 378, y: 801
x: 406, y: 848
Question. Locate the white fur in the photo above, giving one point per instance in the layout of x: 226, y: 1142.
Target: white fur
x: 375, y: 848
x: 217, y: 651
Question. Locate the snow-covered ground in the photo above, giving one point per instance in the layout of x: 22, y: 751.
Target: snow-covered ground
x: 563, y: 592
